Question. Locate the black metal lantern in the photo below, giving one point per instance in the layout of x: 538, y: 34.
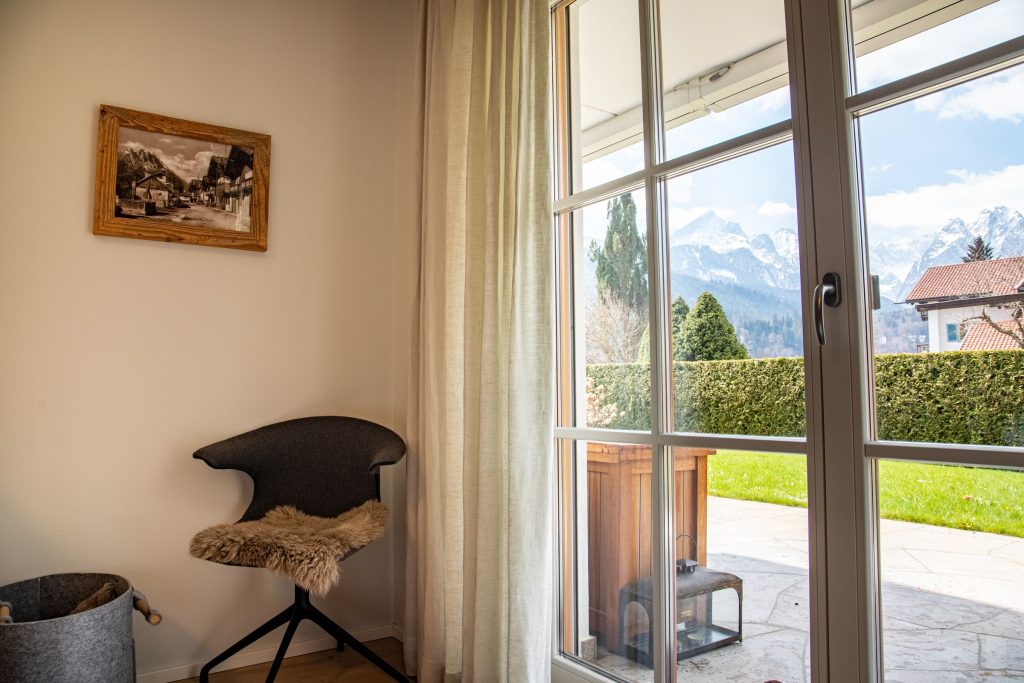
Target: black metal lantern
x: 696, y: 630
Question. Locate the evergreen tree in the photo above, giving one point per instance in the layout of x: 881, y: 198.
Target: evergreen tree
x: 978, y: 251
x: 708, y: 334
x: 679, y: 311
x: 622, y: 260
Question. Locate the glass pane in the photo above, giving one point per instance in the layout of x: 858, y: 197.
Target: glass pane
x: 724, y: 70
x: 737, y: 339
x: 741, y: 563
x: 752, y: 552
x: 943, y: 178
x: 610, y: 239
x: 894, y: 42
x: 611, y: 493
x: 952, y: 571
x: 606, y: 118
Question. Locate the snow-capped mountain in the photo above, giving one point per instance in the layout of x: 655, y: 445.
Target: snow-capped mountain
x: 892, y: 261
x: 712, y: 248
x: 756, y: 278
x: 1002, y: 228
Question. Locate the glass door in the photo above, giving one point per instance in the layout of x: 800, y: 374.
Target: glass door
x: 790, y: 424
x: 684, y: 500
x: 939, y: 147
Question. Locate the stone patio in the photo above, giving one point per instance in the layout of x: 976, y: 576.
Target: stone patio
x: 953, y: 601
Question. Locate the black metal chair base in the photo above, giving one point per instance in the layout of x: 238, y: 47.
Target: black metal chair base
x: 301, y: 609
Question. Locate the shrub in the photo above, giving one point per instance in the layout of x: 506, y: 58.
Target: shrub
x: 972, y: 397
x: 969, y: 397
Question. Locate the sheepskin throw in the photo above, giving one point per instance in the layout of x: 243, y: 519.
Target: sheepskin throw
x: 304, y: 548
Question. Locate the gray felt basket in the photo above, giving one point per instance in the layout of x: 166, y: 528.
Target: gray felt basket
x: 46, y: 644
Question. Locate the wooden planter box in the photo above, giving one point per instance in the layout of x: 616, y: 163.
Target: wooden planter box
x: 619, y: 523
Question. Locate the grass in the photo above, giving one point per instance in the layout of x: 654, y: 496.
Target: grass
x: 940, y: 495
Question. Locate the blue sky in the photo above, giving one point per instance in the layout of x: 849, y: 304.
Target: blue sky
x: 947, y: 155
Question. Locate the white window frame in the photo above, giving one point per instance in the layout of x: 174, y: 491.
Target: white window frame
x: 841, y: 446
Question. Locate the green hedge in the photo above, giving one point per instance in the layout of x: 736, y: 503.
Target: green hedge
x: 973, y: 397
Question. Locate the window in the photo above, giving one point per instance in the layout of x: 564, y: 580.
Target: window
x: 706, y: 409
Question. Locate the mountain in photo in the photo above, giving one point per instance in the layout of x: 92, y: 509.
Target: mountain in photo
x: 134, y: 164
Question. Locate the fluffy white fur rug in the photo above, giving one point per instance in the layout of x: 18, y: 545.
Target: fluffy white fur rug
x: 304, y: 548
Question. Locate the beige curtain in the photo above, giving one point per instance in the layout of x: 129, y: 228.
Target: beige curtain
x: 479, y: 499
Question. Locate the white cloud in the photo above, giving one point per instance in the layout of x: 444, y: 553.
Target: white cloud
x: 167, y: 140
x: 774, y: 100
x: 880, y: 168
x: 680, y: 190
x: 994, y: 98
x: 975, y: 30
x: 931, y: 206
x: 776, y: 209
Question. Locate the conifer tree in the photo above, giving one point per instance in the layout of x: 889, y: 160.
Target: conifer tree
x: 679, y: 311
x: 708, y: 334
x: 978, y: 251
x: 622, y: 260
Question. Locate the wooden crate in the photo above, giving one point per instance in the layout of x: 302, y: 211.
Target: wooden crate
x: 619, y: 523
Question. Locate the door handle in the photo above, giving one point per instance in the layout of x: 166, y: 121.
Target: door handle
x: 828, y: 293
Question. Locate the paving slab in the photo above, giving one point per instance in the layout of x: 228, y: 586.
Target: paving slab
x: 931, y: 650
x: 1002, y: 653
x: 953, y: 601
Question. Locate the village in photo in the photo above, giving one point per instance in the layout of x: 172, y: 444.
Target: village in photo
x: 183, y: 180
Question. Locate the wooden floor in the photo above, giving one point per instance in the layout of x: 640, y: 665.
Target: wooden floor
x: 321, y: 667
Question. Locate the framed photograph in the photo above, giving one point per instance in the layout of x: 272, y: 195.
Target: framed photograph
x: 160, y: 178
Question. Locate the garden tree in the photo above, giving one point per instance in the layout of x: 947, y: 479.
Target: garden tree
x: 614, y: 329
x: 1006, y: 318
x: 622, y: 260
x: 679, y: 310
x: 708, y: 334
x: 1013, y: 328
x: 978, y: 250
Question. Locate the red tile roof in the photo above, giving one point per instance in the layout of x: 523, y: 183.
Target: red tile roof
x: 983, y: 337
x: 996, y: 277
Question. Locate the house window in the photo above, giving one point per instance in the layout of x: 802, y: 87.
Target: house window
x: 952, y: 332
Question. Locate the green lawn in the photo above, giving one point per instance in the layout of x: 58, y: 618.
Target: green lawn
x: 958, y: 497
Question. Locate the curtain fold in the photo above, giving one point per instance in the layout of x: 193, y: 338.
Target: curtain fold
x: 479, y: 552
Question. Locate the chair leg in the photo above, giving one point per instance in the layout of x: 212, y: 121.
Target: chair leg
x: 344, y: 637
x: 301, y: 609
x: 297, y: 616
x: 282, y: 618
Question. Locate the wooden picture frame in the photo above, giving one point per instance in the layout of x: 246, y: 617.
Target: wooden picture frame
x: 161, y: 178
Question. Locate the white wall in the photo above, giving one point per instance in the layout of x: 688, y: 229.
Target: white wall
x: 939, y: 318
x: 118, y: 357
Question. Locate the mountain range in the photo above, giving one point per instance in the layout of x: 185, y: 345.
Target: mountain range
x: 134, y: 164
x: 1002, y: 228
x: 757, y: 278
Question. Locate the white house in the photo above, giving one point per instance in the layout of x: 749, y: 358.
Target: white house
x: 951, y: 299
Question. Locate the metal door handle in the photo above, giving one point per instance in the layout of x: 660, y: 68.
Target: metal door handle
x: 825, y: 294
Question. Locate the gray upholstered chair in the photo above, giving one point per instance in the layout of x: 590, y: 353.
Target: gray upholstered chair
x: 316, y: 500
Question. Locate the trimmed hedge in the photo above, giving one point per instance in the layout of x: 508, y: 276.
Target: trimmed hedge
x: 971, y: 397
x: 968, y: 397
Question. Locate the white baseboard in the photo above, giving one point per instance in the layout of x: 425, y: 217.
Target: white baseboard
x: 250, y: 657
